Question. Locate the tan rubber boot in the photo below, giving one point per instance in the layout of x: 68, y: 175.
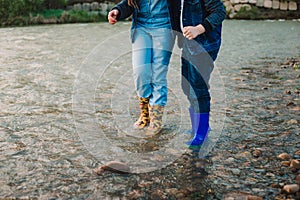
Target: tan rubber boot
x: 143, y: 120
x: 155, y: 114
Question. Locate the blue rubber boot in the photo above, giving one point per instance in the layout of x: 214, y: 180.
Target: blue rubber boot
x: 201, y: 125
x: 191, y: 132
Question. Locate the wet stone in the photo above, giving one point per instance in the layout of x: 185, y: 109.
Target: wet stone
x: 158, y: 194
x: 297, y: 179
x: 257, y: 153
x: 285, y: 163
x: 180, y: 195
x: 135, y: 194
x: 229, y: 160
x: 172, y: 191
x: 236, y: 171
x: 113, y: 166
x: 262, y: 171
x: 145, y: 184
x: 284, y: 156
x: 295, y: 164
x: 292, y: 121
x: 291, y: 189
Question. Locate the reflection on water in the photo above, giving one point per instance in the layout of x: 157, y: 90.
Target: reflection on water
x: 41, y: 152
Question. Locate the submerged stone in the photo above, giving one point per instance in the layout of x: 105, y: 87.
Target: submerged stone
x: 113, y: 166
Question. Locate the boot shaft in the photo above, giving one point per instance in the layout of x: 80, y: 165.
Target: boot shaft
x: 143, y: 103
x: 201, y: 129
x: 143, y: 119
x: 155, y: 114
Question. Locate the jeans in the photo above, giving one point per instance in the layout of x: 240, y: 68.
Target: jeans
x: 196, y: 70
x: 152, y: 49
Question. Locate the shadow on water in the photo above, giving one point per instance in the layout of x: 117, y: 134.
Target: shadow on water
x: 184, y: 178
x: 116, y: 109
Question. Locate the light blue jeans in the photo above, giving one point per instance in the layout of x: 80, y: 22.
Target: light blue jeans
x: 152, y: 49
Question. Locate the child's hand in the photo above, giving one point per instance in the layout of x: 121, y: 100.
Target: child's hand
x: 112, y: 16
x: 191, y: 32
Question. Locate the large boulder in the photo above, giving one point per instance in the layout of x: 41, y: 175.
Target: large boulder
x: 95, y: 6
x: 283, y: 5
x: 292, y: 5
x: 86, y: 7
x: 275, y: 4
x: 260, y: 3
x: 268, y: 4
x: 77, y: 7
x: 233, y: 2
x: 253, y: 1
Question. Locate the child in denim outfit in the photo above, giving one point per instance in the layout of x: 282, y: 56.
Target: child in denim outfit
x: 201, y: 24
x: 152, y: 44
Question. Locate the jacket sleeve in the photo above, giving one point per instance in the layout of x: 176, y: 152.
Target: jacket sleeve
x: 175, y: 10
x: 124, y: 10
x: 215, y: 14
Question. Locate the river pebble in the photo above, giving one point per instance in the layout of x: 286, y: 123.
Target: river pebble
x: 284, y: 156
x: 295, y: 164
x: 291, y: 189
x: 297, y: 179
x: 113, y: 166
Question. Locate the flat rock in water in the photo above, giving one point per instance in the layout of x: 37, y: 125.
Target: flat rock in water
x: 298, y: 178
x: 292, y: 188
x: 241, y: 195
x: 113, y: 166
x: 285, y: 163
x: 284, y: 156
x: 295, y: 164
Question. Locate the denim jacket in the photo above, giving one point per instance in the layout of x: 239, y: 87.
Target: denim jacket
x: 125, y: 11
x: 209, y: 13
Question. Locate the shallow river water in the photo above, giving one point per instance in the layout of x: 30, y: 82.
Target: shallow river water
x: 46, y: 151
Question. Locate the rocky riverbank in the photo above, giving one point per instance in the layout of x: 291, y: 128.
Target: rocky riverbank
x: 96, y: 11
x: 265, y: 161
x: 236, y: 9
x: 258, y: 156
x: 261, y: 9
